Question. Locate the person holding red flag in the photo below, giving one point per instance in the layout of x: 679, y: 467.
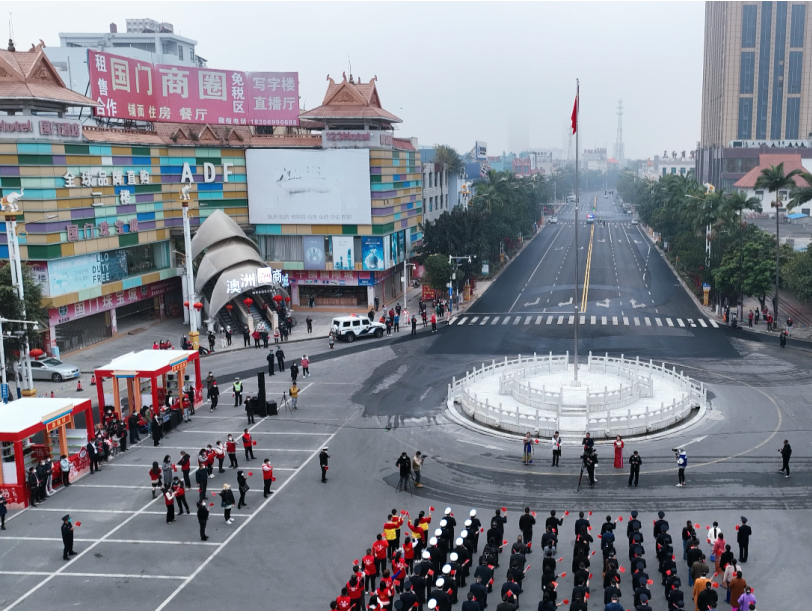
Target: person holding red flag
x: 247, y: 444
x: 267, y: 477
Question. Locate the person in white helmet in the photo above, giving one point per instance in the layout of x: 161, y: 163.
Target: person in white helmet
x: 450, y: 583
x: 449, y: 518
x: 440, y: 596
x: 463, y: 557
x: 474, y: 529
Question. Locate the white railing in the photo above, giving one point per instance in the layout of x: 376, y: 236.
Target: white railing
x: 547, y: 405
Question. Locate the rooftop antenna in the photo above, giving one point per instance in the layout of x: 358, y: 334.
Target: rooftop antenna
x: 349, y: 62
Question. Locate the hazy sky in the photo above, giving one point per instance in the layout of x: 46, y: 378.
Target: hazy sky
x: 455, y: 72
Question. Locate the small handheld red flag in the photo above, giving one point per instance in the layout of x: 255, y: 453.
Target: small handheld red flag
x: 589, y: 528
x: 715, y: 585
x: 620, y: 518
x: 622, y: 570
x: 355, y: 562
x: 566, y: 602
x: 78, y: 524
x: 504, y: 542
x: 482, y: 530
x: 534, y: 513
x: 175, y: 468
x: 504, y: 509
x: 563, y: 574
x: 590, y: 513
x: 698, y: 526
x: 250, y: 473
x: 431, y: 508
x: 566, y: 513
x: 211, y: 504
x: 737, y: 527
x: 650, y: 581
x: 600, y: 536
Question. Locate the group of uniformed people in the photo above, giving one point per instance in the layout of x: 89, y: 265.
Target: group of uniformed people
x: 431, y: 567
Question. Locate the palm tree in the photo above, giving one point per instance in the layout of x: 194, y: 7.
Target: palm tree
x: 774, y: 180
x: 801, y: 195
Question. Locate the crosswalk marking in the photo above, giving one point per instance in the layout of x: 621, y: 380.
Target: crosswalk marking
x: 614, y: 320
x: 560, y: 320
x: 506, y: 321
x: 648, y: 321
x: 670, y: 324
x: 680, y: 323
x: 527, y: 320
x: 626, y: 320
x: 659, y: 322
x: 571, y: 321
x: 582, y: 320
x: 473, y: 320
x: 636, y: 321
x: 691, y: 322
x: 462, y: 320
x: 484, y: 320
x: 538, y: 320
x: 702, y: 323
x: 713, y: 323
x: 592, y: 320
x: 517, y: 320
x: 549, y: 320
x: 603, y: 320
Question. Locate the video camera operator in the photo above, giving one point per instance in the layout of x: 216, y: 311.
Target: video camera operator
x: 588, y: 460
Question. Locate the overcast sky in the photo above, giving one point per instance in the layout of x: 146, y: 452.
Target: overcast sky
x: 454, y: 72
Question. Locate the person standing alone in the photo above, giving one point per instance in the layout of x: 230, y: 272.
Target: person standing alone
x: 556, y: 448
x: 267, y: 477
x: 743, y: 539
x: 682, y: 463
x: 786, y: 452
x: 237, y: 388
x: 323, y: 459
x: 417, y: 463
x: 634, y: 468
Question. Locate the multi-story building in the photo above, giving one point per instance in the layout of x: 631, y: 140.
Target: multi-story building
x: 435, y: 187
x: 336, y: 209
x: 594, y: 159
x: 756, y: 81
x: 145, y: 39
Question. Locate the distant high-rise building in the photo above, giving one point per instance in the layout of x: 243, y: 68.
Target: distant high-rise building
x: 518, y: 134
x: 620, y: 154
x: 756, y: 75
x: 757, y: 82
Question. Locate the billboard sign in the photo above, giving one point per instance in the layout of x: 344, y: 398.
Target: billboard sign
x: 343, y: 253
x: 481, y: 150
x: 40, y: 128
x: 313, y: 252
x: 355, y: 138
x: 128, y: 88
x: 73, y: 274
x: 372, y: 254
x: 290, y: 187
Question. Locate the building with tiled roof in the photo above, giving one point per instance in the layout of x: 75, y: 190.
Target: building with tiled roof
x: 349, y: 103
x: 791, y: 161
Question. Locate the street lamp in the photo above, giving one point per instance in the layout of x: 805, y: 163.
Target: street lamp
x: 35, y: 325
x: 190, y: 279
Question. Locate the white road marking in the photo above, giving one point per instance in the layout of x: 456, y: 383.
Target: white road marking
x: 560, y: 320
x: 713, y: 323
x: 462, y: 320
x: 495, y: 320
x: 538, y: 319
x: 691, y: 322
x: 582, y: 320
x: 603, y: 320
x: 702, y: 323
x: 527, y: 320
x: 506, y: 321
x: 668, y: 320
x: 571, y: 320
x: 549, y: 320
x: 626, y: 320
x: 473, y: 320
x: 517, y: 320
x: 680, y: 323
x: 648, y: 321
x: 484, y: 320
x: 636, y: 321
x: 659, y: 322
x: 614, y: 320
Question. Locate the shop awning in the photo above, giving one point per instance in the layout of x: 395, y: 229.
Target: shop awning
x: 18, y: 416
x: 145, y: 362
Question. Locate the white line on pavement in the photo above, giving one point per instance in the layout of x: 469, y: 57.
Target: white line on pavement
x: 66, y: 574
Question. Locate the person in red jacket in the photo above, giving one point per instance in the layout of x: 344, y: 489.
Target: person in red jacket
x: 155, y: 478
x: 231, y: 450
x: 434, y: 323
x: 370, y: 571
x: 344, y: 602
x: 408, y: 553
x: 247, y: 444
x: 379, y: 549
x: 355, y: 589
x: 180, y: 496
x: 169, y: 500
x: 185, y: 465
x: 220, y: 455
x: 267, y: 477
x: 210, y: 460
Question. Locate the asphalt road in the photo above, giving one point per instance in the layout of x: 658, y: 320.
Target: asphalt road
x: 373, y: 399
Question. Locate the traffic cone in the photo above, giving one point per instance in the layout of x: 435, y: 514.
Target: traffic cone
x: 79, y: 386
x: 93, y: 379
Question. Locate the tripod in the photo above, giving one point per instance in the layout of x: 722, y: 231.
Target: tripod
x: 581, y: 476
x: 285, y: 402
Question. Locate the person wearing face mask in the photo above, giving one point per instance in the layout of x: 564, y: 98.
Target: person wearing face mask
x: 220, y: 455
x: 243, y: 487
x: 231, y: 450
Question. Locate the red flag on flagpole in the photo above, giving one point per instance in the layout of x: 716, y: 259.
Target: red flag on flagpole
x: 574, y: 117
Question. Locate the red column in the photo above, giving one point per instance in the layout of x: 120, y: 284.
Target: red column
x: 22, y: 479
x: 89, y: 417
x: 198, y: 383
x: 153, y: 382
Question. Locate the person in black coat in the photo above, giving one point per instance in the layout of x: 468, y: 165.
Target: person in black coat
x: 786, y: 452
x: 280, y: 359
x: 243, y: 487
x: 270, y: 359
x: 33, y: 486
x: 480, y: 592
x: 408, y: 597
x: 202, y: 480
x: 743, y: 539
x: 157, y: 428
x: 67, y: 538
x: 441, y: 596
x: 468, y: 605
x: 202, y: 517
x: 323, y: 459
x: 526, y: 523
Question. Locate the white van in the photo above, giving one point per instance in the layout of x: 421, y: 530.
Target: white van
x: 354, y: 326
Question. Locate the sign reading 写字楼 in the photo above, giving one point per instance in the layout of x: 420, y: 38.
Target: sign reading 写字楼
x: 128, y: 88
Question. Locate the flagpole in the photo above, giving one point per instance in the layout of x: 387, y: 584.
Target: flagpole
x: 577, y: 202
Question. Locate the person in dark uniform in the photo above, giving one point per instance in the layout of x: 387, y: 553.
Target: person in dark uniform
x: 476, y: 525
x: 280, y: 359
x: 634, y: 468
x: 743, y: 539
x: 526, y: 523
x: 659, y: 524
x: 33, y: 486
x: 67, y: 538
x: 202, y: 518
x: 323, y: 458
x: 552, y: 523
x: 786, y: 452
x: 270, y: 359
x: 249, y: 409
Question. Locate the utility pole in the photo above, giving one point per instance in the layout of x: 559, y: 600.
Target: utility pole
x: 577, y: 202
x: 17, y: 281
x: 620, y: 153
x: 190, y: 279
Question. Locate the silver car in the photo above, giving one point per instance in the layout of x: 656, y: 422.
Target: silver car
x: 53, y: 369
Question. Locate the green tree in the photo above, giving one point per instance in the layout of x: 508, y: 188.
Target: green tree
x: 438, y: 271
x: 12, y: 308
x: 801, y: 194
x: 751, y: 261
x: 796, y: 275
x: 448, y: 157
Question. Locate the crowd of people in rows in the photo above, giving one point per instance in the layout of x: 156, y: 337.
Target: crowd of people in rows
x: 430, y: 568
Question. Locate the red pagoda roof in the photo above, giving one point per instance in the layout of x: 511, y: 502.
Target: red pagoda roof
x: 29, y: 75
x: 350, y: 100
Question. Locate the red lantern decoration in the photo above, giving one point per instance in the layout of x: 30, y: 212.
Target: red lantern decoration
x: 198, y: 306
x: 248, y: 302
x: 36, y: 353
x: 287, y: 298
x: 185, y: 304
x: 277, y: 298
x: 229, y: 307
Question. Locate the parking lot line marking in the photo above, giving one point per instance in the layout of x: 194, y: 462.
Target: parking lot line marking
x: 86, y: 550
x: 114, y: 575
x: 237, y: 531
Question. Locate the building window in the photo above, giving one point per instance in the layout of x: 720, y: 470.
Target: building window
x: 760, y: 195
x: 796, y: 33
x: 784, y: 195
x: 180, y: 53
x: 763, y: 70
x: 747, y: 73
x: 793, y: 118
x: 778, y: 69
x: 749, y: 16
x: 745, y: 118
x: 796, y: 60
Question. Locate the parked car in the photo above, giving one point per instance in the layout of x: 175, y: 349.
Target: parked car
x: 53, y: 369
